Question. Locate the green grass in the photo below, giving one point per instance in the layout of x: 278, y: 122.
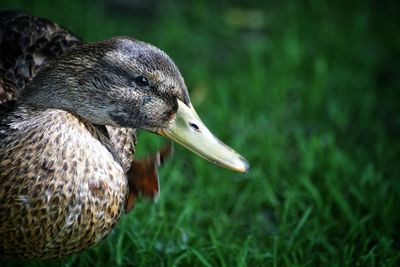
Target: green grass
x: 308, y: 92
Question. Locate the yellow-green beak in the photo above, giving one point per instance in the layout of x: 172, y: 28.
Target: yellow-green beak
x: 188, y: 130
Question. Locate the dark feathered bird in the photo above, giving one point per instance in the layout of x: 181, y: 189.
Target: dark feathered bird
x: 67, y: 132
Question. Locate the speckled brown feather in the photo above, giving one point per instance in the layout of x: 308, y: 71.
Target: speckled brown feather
x: 68, y: 187
x: 124, y: 142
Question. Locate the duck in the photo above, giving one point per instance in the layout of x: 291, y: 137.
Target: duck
x: 69, y: 114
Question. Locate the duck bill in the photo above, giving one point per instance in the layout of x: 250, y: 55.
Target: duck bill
x: 188, y: 130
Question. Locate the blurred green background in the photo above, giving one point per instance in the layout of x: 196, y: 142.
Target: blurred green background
x: 307, y: 91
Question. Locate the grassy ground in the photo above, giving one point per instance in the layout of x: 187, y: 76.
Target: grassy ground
x: 308, y: 92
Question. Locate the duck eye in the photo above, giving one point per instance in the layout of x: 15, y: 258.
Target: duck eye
x: 141, y: 81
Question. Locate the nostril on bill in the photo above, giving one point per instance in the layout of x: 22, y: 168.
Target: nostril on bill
x: 194, y: 126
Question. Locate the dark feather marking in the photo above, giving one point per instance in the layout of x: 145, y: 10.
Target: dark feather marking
x: 27, y: 44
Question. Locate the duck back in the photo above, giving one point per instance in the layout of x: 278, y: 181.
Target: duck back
x: 28, y: 43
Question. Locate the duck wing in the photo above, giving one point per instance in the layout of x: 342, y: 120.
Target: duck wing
x: 27, y: 44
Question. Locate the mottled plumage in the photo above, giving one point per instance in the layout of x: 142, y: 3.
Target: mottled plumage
x: 60, y: 192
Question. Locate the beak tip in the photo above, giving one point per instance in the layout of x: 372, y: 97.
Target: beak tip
x: 245, y: 165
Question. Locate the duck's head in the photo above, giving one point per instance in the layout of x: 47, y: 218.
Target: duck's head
x: 124, y: 82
